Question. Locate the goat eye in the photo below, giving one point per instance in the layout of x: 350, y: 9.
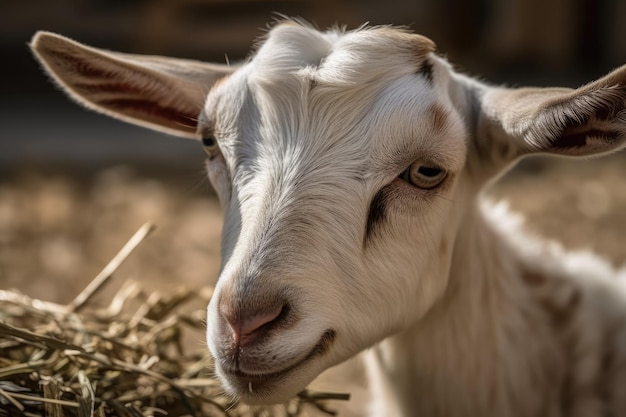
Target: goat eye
x: 210, y: 144
x: 208, y: 141
x: 424, y: 176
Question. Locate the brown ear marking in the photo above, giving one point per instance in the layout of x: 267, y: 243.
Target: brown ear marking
x: 579, y: 139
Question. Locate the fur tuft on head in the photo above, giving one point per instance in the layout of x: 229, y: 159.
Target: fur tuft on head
x: 341, y: 58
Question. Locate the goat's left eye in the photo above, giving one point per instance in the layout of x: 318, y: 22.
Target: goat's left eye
x: 210, y: 145
x: 424, y: 176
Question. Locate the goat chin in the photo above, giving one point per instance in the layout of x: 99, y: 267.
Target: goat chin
x: 279, y: 385
x: 267, y: 389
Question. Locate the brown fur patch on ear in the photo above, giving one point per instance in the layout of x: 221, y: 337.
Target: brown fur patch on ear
x: 580, y: 139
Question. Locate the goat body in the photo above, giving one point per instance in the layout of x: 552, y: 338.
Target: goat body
x: 350, y: 166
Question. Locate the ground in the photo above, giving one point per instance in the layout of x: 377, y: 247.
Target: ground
x: 58, y: 229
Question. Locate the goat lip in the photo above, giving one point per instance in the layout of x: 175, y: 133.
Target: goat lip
x: 244, y: 378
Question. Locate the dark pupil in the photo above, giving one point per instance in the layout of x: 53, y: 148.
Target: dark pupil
x: 428, y: 172
x: 208, y: 142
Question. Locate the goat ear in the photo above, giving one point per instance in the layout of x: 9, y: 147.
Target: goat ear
x: 586, y: 121
x: 164, y: 94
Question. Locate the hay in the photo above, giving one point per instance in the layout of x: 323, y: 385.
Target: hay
x: 127, y: 359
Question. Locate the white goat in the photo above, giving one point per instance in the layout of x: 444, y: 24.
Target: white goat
x: 349, y: 166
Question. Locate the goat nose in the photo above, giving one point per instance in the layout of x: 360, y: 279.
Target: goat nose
x: 246, y: 328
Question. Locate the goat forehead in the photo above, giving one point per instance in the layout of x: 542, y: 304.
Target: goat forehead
x: 344, y: 130
x: 355, y: 131
x: 339, y: 57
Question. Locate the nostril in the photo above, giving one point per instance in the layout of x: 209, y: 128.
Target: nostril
x: 246, y: 327
x: 250, y: 326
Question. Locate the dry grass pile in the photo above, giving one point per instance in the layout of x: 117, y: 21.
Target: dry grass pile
x: 128, y: 359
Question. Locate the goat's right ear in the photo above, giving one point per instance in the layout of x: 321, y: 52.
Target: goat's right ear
x: 164, y: 94
x: 589, y: 120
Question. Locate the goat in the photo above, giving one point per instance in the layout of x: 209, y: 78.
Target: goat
x: 349, y: 166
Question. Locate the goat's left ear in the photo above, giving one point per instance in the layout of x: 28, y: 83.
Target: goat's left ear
x: 589, y: 120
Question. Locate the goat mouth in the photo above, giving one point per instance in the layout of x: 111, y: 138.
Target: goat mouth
x: 260, y: 384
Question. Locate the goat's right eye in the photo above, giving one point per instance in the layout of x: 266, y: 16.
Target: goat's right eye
x: 424, y: 176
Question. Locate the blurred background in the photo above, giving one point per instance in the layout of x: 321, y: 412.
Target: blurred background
x: 75, y: 185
